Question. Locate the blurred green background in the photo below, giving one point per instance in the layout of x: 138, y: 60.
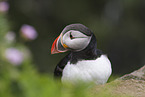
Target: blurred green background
x: 119, y: 26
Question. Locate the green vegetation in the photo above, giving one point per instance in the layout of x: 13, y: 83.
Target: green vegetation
x: 21, y: 79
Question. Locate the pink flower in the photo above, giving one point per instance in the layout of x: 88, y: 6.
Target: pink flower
x: 28, y: 32
x: 14, y: 56
x: 4, y: 6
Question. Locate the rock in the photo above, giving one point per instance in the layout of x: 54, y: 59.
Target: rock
x: 138, y: 75
x: 129, y: 85
x: 132, y: 84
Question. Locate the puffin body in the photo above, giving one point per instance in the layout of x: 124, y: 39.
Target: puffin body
x: 84, y: 62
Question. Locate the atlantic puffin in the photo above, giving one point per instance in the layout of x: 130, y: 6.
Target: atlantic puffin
x: 84, y: 62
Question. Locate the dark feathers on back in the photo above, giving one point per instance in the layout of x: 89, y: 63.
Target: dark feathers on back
x: 89, y: 53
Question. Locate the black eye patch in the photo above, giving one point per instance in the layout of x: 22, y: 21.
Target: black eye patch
x: 71, y: 37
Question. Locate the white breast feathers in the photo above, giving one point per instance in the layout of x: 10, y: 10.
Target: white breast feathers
x: 97, y: 71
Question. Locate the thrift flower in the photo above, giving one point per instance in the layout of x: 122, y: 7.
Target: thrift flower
x: 28, y: 32
x: 14, y: 56
x: 4, y: 6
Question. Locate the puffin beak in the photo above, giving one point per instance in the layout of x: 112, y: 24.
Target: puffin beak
x: 58, y: 46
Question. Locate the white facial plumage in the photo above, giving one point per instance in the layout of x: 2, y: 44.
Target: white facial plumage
x: 76, y: 40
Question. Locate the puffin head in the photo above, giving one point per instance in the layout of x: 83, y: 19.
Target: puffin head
x: 74, y: 37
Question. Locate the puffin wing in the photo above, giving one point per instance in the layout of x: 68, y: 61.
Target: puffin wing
x: 60, y: 66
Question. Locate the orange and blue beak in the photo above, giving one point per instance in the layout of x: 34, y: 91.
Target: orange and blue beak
x: 58, y: 46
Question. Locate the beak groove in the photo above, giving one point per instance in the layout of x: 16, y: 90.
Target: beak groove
x: 57, y: 46
x: 54, y: 46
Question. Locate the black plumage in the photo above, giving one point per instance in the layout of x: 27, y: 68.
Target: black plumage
x: 89, y: 53
x: 84, y: 62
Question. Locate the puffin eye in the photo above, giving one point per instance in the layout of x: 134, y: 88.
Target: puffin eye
x: 71, y: 37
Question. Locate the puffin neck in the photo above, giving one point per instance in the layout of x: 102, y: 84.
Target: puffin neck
x: 89, y: 53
